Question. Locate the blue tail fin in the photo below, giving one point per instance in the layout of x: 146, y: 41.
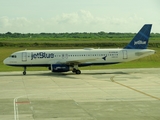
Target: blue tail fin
x: 140, y: 41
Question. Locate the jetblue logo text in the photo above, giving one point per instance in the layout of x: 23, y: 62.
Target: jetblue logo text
x: 139, y: 42
x: 41, y: 55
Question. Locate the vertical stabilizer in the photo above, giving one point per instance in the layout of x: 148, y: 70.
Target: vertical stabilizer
x: 140, y: 41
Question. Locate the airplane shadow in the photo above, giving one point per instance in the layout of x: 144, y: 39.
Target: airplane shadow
x: 67, y: 74
x: 103, y: 73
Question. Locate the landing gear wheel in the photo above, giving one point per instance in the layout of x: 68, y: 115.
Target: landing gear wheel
x: 24, y: 72
x: 74, y: 70
x: 78, y: 72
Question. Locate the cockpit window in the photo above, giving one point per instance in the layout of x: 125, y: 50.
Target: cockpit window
x: 13, y: 56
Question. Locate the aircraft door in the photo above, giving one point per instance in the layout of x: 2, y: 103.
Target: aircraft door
x: 125, y: 55
x: 24, y: 56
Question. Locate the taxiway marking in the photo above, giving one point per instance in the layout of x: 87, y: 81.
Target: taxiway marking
x: 112, y: 79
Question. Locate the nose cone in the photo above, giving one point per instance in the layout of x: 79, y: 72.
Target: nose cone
x: 5, y: 61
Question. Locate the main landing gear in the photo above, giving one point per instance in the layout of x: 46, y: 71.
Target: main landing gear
x: 24, y: 72
x: 77, y: 71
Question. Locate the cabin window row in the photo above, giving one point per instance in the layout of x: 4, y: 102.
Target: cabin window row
x: 66, y: 55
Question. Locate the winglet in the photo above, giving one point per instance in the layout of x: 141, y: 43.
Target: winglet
x: 140, y: 41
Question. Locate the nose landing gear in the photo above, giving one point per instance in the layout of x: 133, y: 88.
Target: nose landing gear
x: 24, y: 72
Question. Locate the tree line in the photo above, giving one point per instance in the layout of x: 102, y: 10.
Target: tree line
x: 72, y: 35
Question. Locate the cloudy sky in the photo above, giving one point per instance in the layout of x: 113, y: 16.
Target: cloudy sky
x: 36, y: 16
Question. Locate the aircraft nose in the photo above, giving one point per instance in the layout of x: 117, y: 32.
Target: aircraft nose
x: 5, y: 61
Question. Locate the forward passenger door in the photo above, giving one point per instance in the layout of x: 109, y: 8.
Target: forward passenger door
x: 24, y: 56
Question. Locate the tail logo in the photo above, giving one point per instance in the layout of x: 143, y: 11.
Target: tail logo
x: 140, y: 42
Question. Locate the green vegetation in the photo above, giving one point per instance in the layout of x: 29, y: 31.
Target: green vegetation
x: 11, y: 42
x: 73, y: 36
x: 72, y: 44
x: 100, y: 39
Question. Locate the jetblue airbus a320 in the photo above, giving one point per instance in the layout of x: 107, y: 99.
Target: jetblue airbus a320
x: 72, y: 59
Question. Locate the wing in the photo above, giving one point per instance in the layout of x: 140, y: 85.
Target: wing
x: 75, y: 62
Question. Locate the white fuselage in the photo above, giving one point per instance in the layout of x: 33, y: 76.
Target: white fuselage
x: 81, y: 57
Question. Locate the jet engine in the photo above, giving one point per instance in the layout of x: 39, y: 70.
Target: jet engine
x: 61, y: 68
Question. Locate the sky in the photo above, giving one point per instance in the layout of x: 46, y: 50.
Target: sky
x: 61, y: 16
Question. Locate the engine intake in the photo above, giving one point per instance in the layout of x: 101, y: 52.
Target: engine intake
x: 60, y: 68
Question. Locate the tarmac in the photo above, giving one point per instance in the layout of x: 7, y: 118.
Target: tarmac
x: 117, y: 94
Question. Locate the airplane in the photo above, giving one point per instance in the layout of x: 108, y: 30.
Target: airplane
x: 71, y: 59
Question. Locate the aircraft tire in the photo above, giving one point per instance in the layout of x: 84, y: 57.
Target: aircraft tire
x: 24, y: 72
x: 78, y: 72
x: 74, y: 70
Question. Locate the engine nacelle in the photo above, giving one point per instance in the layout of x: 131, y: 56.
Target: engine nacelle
x: 60, y: 68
